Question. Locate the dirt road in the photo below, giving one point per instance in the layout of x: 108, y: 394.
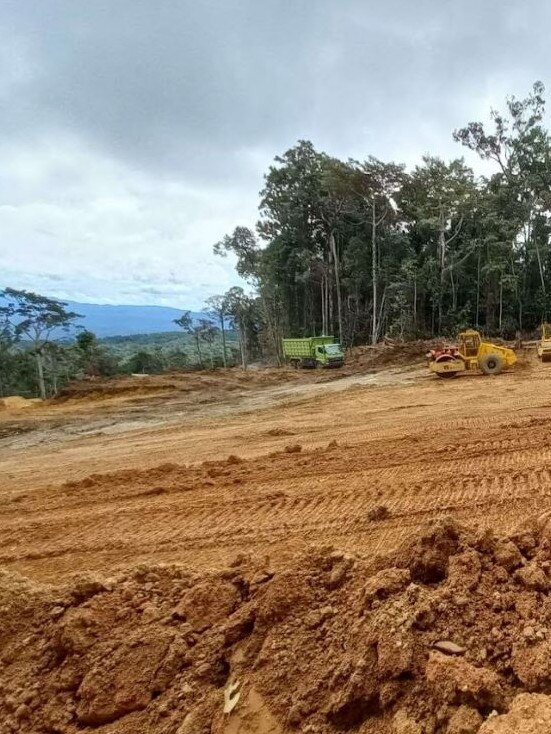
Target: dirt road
x: 308, y: 464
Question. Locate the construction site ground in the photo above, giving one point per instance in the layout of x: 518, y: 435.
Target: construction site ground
x: 198, y: 468
x: 277, y: 551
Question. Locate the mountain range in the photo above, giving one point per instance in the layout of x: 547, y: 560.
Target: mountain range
x: 107, y: 320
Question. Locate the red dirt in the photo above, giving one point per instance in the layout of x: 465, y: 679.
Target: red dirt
x: 279, y: 567
x: 333, y: 642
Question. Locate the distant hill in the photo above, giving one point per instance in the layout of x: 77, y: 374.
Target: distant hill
x: 106, y: 320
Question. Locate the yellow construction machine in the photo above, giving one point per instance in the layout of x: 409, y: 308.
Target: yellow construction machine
x: 470, y: 354
x: 544, y: 344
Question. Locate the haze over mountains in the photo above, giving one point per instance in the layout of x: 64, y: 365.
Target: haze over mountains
x: 108, y: 320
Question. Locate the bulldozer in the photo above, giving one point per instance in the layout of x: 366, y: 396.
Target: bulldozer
x: 544, y: 344
x: 471, y: 354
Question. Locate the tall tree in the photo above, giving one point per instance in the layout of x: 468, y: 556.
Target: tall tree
x: 241, y: 309
x: 185, y: 322
x: 208, y: 333
x: 36, y: 319
x: 439, y: 196
x: 376, y: 185
x: 218, y: 307
x: 520, y: 147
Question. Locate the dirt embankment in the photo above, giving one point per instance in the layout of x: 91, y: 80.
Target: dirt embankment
x: 451, y: 634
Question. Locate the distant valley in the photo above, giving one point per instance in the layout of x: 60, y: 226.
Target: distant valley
x: 107, y: 320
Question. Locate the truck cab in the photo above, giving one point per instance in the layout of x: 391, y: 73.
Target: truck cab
x: 330, y: 355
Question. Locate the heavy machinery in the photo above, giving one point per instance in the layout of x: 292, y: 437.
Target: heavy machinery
x: 471, y: 354
x: 313, y: 351
x: 544, y: 344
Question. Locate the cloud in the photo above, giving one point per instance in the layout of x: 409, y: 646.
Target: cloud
x: 133, y: 135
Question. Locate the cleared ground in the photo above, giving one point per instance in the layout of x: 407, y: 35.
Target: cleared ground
x: 106, y: 480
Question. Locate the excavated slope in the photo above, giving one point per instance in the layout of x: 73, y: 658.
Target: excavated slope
x: 450, y: 634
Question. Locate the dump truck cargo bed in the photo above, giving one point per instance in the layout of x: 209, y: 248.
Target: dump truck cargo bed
x: 313, y: 351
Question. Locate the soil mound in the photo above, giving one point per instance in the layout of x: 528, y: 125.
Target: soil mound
x: 389, y: 353
x: 16, y: 402
x: 451, y: 634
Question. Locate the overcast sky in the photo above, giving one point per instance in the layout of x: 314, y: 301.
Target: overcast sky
x: 135, y: 133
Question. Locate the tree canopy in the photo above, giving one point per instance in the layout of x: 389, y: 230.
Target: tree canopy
x: 359, y: 249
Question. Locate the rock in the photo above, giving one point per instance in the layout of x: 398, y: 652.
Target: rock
x: 404, y: 724
x: 454, y: 680
x: 532, y: 577
x: 530, y: 713
x: 465, y: 720
x: 507, y: 555
x: 449, y: 648
x: 337, y: 576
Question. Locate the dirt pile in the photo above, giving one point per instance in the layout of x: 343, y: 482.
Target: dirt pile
x: 446, y: 636
x: 388, y: 354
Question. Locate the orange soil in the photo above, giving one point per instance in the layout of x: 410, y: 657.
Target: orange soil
x: 77, y: 496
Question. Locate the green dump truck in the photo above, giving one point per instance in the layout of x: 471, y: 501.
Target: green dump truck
x: 313, y: 351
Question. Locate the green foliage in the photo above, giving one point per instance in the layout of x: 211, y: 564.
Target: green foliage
x: 32, y: 318
x: 366, y: 248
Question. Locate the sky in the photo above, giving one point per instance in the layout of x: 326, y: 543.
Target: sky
x: 134, y: 134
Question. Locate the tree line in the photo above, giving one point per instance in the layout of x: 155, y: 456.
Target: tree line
x: 362, y: 249
x: 42, y: 348
x: 356, y: 249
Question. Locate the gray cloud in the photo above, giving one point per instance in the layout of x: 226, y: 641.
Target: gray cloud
x: 134, y: 133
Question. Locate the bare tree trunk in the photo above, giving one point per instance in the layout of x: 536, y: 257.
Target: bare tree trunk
x: 323, y: 318
x: 500, y: 302
x: 271, y: 328
x: 442, y: 248
x: 331, y: 305
x: 333, y: 246
x: 454, y: 290
x: 40, y: 370
x: 54, y: 379
x: 415, y: 302
x: 374, y: 325
x: 477, y: 292
x: 540, y: 266
x: 243, y: 344
x: 380, y: 319
x: 326, y: 303
x: 199, y: 355
x: 223, y: 330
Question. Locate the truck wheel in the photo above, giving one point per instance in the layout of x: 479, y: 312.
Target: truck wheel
x: 491, y: 364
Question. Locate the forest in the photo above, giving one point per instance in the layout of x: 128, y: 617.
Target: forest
x: 356, y: 249
x: 363, y: 249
